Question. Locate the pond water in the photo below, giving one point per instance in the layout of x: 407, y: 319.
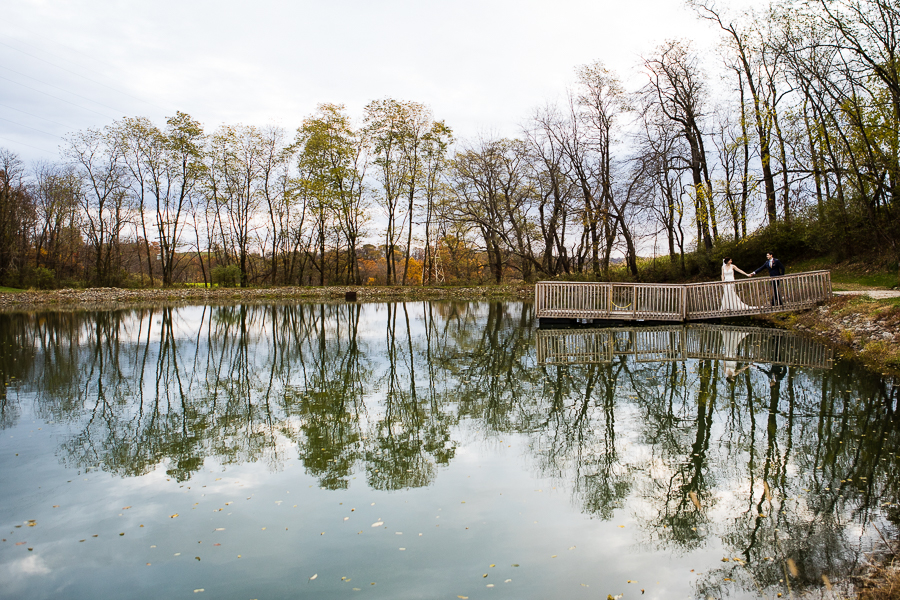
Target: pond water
x: 430, y: 450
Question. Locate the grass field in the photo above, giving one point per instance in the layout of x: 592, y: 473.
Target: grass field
x: 852, y: 276
x: 6, y: 289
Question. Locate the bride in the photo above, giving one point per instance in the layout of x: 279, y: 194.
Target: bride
x: 730, y: 299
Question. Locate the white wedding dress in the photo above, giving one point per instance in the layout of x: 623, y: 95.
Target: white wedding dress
x: 730, y: 299
x: 731, y: 341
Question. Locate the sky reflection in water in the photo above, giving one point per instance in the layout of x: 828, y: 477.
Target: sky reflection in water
x: 429, y: 450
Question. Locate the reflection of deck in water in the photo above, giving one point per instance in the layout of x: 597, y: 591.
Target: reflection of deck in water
x: 679, y: 342
x: 675, y: 302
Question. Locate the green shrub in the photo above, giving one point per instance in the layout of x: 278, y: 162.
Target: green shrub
x: 226, y: 276
x: 43, y: 278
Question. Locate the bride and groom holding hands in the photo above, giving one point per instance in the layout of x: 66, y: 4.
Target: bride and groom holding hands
x: 730, y: 299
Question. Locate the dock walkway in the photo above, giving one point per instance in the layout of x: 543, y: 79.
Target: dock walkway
x: 605, y: 301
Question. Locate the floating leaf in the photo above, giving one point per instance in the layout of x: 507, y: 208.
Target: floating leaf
x: 507, y: 580
x: 125, y: 507
x: 173, y: 516
x: 792, y: 567
x: 314, y: 576
x: 197, y: 591
x: 463, y: 597
x: 515, y: 564
x: 695, y: 499
x: 377, y: 523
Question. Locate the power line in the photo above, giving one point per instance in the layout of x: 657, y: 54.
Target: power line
x: 29, y: 145
x: 70, y: 49
x: 61, y: 89
x: 57, y: 97
x: 30, y: 127
x: 33, y: 115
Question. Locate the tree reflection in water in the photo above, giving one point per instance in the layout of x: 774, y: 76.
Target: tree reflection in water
x: 696, y: 439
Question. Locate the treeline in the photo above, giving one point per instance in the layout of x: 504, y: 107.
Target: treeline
x: 787, y: 138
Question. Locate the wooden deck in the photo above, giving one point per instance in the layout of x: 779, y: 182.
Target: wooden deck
x: 679, y: 342
x: 685, y: 302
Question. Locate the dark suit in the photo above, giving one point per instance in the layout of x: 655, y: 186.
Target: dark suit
x: 776, y: 269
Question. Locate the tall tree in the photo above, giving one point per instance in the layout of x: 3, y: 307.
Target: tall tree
x: 97, y: 158
x: 677, y: 87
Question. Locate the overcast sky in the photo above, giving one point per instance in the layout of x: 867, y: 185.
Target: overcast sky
x: 482, y: 66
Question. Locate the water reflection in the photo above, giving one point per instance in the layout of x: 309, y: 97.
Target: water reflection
x: 752, y: 439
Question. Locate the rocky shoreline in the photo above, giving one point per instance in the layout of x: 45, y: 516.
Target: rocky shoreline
x: 866, y: 327
x: 117, y: 297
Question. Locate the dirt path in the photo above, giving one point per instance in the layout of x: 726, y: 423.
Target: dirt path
x: 874, y: 294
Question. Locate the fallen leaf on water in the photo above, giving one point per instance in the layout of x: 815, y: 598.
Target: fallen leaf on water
x: 792, y: 567
x: 492, y: 566
x: 125, y: 507
x: 314, y: 576
x: 515, y: 564
x: 197, y: 557
x: 507, y: 580
x: 621, y: 526
x: 463, y: 597
x: 377, y: 523
x: 489, y: 585
x: 21, y: 543
x: 571, y: 547
x: 173, y: 516
x: 695, y: 499
x: 122, y: 533
x: 148, y: 564
x: 199, y: 590
x: 217, y: 544
x: 56, y: 506
x: 630, y: 581
x: 346, y: 518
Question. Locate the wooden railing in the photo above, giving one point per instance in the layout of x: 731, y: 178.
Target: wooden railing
x: 680, y: 342
x: 673, y: 302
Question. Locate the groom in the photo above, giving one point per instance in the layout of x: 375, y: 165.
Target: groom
x: 776, y: 269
